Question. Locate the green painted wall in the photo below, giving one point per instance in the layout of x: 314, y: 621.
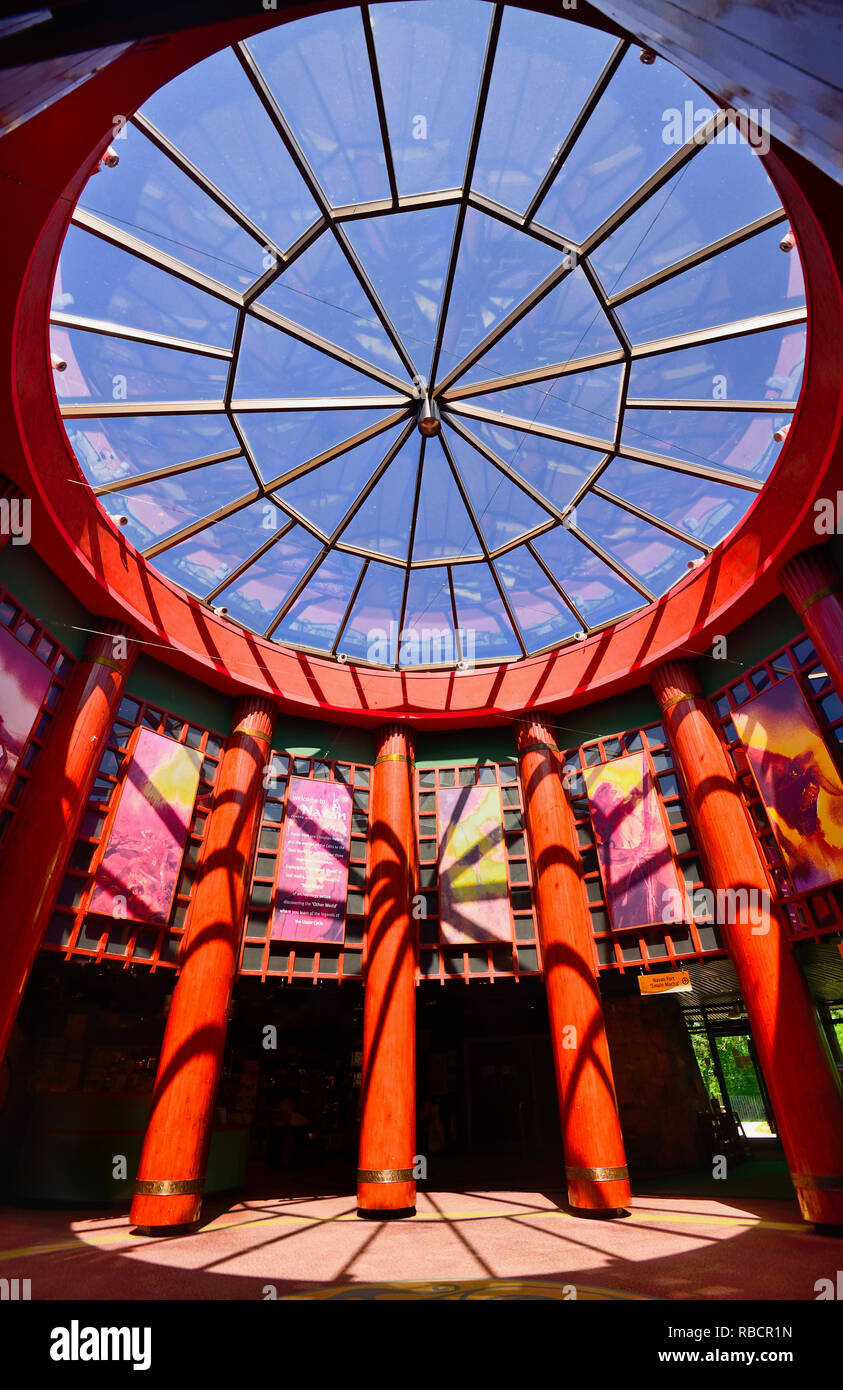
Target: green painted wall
x: 494, y: 744
x: 29, y: 580
x: 312, y: 738
x: 750, y: 643
x: 183, y: 696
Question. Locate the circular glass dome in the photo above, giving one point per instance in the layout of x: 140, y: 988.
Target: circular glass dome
x: 430, y: 333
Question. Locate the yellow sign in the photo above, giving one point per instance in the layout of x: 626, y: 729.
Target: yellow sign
x: 671, y: 982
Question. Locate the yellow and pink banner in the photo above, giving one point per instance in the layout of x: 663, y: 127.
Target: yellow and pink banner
x: 313, y: 865
x: 473, y: 895
x: 639, y: 873
x: 138, y: 873
x: 798, y: 782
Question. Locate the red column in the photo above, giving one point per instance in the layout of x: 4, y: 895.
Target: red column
x: 43, y: 831
x: 595, y: 1159
x: 802, y: 1083
x: 171, y: 1172
x: 814, y: 585
x: 385, y: 1182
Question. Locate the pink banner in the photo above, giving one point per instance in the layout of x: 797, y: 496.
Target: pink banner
x: 24, y: 680
x: 313, y: 867
x: 639, y: 875
x: 473, y: 894
x: 138, y: 873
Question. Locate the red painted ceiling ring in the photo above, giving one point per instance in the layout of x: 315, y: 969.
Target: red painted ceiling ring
x: 46, y: 162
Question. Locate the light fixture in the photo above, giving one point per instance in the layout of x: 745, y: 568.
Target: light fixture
x: 647, y: 57
x: 122, y: 519
x: 781, y: 433
x: 57, y: 363
x: 111, y: 158
x: 787, y: 242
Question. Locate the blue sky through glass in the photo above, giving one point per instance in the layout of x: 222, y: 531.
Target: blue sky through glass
x: 258, y: 290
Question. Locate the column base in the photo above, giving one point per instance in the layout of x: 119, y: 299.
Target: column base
x: 600, y: 1213
x: 188, y: 1228
x: 163, y: 1211
x: 383, y: 1214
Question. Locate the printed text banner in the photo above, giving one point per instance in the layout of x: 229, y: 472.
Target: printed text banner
x: 313, y: 868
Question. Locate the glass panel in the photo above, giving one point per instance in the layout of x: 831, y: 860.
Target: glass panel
x: 538, y: 87
x: 648, y: 553
x: 383, y: 522
x: 501, y: 508
x: 597, y: 591
x: 762, y: 366
x: 214, y: 117
x: 371, y: 631
x: 318, y: 70
x: 701, y: 508
x: 586, y: 402
x: 567, y: 324
x: 157, y: 509
x: 556, y: 470
x: 443, y: 526
x: 314, y: 618
x: 429, y: 58
x: 100, y: 281
x: 626, y: 139
x: 100, y: 368
x: 150, y: 197
x: 272, y: 365
x: 480, y: 612
x: 406, y: 258
x: 428, y: 627
x: 325, y: 494
x: 497, y: 267
x: 542, y: 615
x: 738, y: 441
x: 257, y: 595
x: 723, y: 188
x: 753, y: 278
x: 320, y: 292
x: 282, y: 440
x: 112, y: 449
x: 201, y: 563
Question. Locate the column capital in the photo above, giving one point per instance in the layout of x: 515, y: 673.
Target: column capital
x: 675, y: 682
x: 395, y: 742
x: 535, y: 735
x: 254, y: 717
x: 810, y: 576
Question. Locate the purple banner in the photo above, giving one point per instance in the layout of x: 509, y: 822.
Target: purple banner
x: 313, y: 866
x: 138, y: 872
x: 23, y: 684
x: 639, y: 875
x: 473, y: 896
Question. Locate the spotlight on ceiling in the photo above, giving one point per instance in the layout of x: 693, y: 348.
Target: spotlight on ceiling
x: 781, y: 433
x: 122, y: 520
x: 428, y: 417
x: 342, y: 658
x: 787, y: 242
x: 647, y: 56
x: 57, y: 363
x: 111, y: 158
x: 221, y: 612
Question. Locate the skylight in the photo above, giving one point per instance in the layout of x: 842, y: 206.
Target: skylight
x: 413, y: 334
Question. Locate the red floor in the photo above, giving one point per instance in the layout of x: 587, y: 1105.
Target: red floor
x: 667, y: 1248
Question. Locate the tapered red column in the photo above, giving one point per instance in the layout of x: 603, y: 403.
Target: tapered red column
x: 171, y: 1172
x: 814, y: 585
x: 43, y: 831
x: 385, y: 1182
x: 595, y: 1159
x: 797, y: 1068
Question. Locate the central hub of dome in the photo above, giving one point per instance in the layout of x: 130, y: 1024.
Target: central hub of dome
x: 427, y: 417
